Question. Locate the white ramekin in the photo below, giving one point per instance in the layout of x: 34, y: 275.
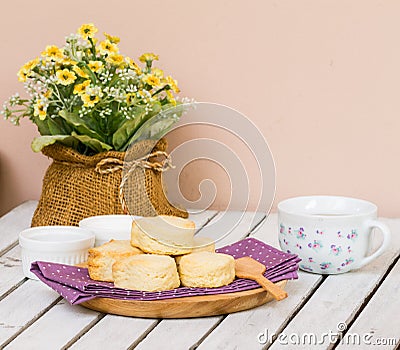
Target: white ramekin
x: 60, y: 244
x: 107, y: 227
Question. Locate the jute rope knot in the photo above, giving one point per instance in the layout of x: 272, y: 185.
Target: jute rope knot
x: 111, y: 165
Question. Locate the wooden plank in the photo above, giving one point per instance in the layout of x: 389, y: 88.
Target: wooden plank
x: 10, y: 270
x: 193, y: 330
x: 178, y: 333
x: 22, y: 306
x: 108, y: 334
x: 241, y: 330
x: 340, y: 297
x: 14, y: 222
x: 380, y: 318
x: 55, y: 328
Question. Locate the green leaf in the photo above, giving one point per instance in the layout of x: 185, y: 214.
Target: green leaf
x: 128, y: 128
x: 92, y: 143
x: 57, y: 126
x: 157, y: 126
x: 79, y: 124
x: 42, y: 125
x: 40, y: 142
x: 114, y: 121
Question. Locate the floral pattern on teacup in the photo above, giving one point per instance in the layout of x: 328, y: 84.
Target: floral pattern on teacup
x: 348, y: 261
x: 336, y: 250
x: 306, y: 268
x: 300, y: 233
x: 316, y: 245
x: 285, y: 242
x: 325, y: 265
x: 353, y: 235
x: 324, y: 255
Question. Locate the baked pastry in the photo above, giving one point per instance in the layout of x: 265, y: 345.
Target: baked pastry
x: 102, y: 258
x: 200, y: 244
x: 166, y: 235
x: 206, y: 269
x: 146, y: 272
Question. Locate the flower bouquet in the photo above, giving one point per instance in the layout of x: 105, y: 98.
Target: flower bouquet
x: 90, y: 104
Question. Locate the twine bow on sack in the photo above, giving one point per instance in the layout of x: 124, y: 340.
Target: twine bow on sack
x: 111, y: 165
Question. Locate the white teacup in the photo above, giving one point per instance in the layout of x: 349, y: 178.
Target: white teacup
x: 330, y: 234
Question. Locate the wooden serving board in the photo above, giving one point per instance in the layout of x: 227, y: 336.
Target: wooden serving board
x: 197, y: 306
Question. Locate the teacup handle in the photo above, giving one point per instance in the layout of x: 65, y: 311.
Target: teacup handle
x: 386, y: 240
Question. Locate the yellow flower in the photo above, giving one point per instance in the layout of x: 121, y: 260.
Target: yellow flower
x: 31, y: 64
x: 115, y: 60
x: 40, y: 110
x: 81, y: 88
x: 89, y: 100
x: 87, y: 30
x: 157, y: 72
x: 95, y: 66
x: 80, y: 72
x: 106, y: 47
x: 65, y: 77
x: 173, y: 84
x: 152, y: 80
x: 48, y: 93
x: 67, y: 62
x: 148, y: 57
x: 130, y: 98
x: 170, y: 97
x: 132, y: 64
x: 26, y: 69
x: 22, y: 75
x: 112, y: 39
x: 53, y: 52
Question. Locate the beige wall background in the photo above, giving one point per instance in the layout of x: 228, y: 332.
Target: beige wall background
x: 321, y: 80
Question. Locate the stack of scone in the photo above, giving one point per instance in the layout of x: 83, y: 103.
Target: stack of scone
x: 162, y: 254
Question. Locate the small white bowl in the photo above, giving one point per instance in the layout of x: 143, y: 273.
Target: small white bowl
x: 59, y: 244
x: 107, y: 227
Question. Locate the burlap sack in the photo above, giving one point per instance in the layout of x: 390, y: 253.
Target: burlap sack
x: 73, y: 188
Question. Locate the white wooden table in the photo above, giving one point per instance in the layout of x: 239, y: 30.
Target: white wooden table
x: 366, y: 303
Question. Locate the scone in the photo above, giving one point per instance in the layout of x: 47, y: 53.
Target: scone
x: 165, y: 235
x: 146, y: 272
x: 201, y: 244
x: 206, y: 269
x: 102, y: 258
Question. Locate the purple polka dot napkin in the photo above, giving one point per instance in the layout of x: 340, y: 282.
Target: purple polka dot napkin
x: 74, y: 284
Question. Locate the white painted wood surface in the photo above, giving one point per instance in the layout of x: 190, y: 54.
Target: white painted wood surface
x: 14, y: 222
x: 10, y: 270
x: 34, y: 317
x: 380, y: 319
x: 55, y: 328
x: 99, y: 336
x: 22, y: 306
